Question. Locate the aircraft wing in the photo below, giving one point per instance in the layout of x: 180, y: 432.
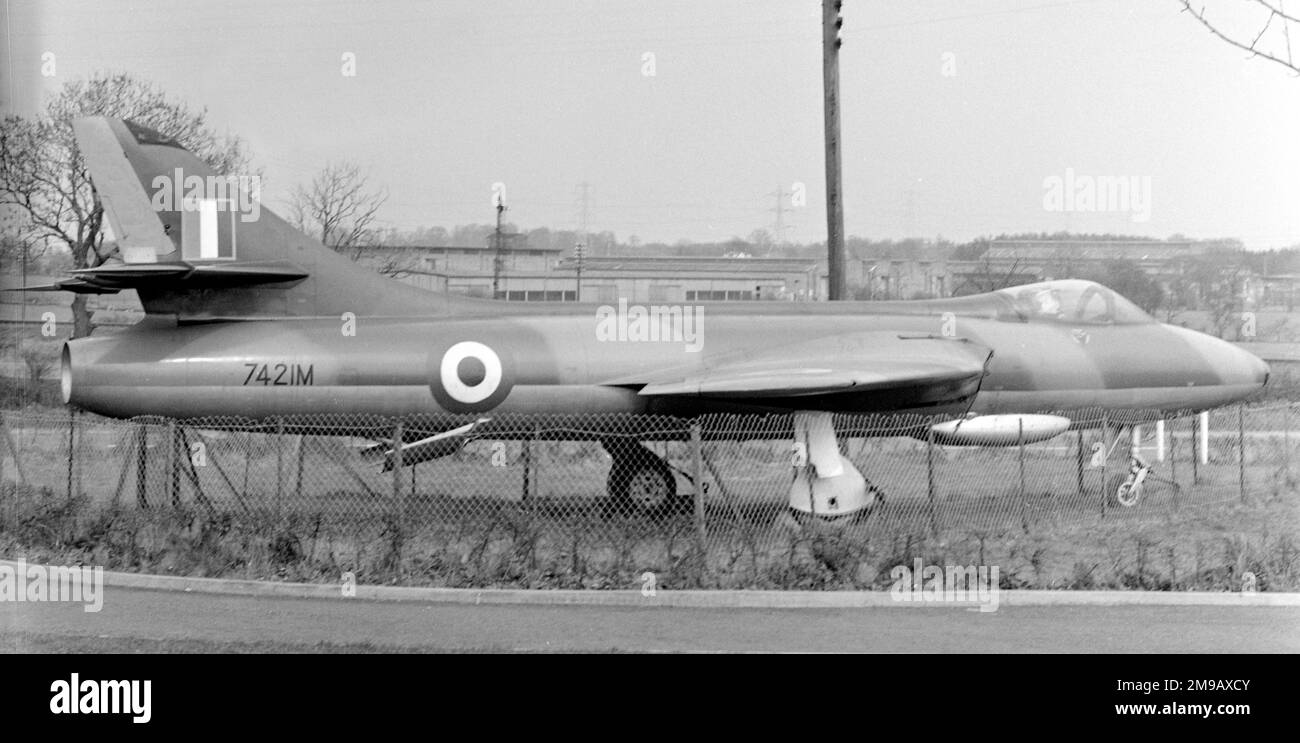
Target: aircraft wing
x: 935, y: 369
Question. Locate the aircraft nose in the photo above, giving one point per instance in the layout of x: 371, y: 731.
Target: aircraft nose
x: 1260, y: 370
x: 1248, y: 369
x: 1230, y: 366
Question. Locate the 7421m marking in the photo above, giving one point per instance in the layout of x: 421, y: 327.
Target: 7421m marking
x: 279, y: 375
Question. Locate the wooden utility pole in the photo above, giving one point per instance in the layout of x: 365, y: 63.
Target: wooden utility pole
x: 836, y: 283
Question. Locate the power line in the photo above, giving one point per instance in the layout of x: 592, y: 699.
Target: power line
x: 778, y: 231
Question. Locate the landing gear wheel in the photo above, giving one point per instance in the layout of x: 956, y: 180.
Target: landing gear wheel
x: 642, y: 485
x: 1119, y: 491
x: 1126, y: 496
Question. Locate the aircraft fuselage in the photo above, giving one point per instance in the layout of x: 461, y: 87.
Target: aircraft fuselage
x: 559, y: 360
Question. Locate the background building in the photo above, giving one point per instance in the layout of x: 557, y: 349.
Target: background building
x: 525, y: 273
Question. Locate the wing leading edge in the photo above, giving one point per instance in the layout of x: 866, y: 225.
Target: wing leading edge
x: 935, y: 369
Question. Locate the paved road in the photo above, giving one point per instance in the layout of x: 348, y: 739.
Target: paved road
x: 141, y: 614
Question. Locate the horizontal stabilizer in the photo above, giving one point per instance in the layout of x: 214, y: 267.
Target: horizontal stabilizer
x: 162, y: 275
x: 76, y: 286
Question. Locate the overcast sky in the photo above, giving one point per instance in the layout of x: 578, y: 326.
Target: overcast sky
x: 956, y: 115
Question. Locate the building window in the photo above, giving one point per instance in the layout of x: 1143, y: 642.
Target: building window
x: 539, y: 295
x: 719, y: 295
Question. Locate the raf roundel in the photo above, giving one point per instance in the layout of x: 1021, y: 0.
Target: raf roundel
x: 469, y: 377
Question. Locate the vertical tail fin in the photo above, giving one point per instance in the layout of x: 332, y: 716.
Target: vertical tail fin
x: 196, y: 245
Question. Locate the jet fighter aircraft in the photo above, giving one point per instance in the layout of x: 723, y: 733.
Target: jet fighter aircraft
x: 248, y: 317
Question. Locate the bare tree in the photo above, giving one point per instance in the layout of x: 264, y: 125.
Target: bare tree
x: 43, y: 176
x: 18, y: 242
x: 338, y: 208
x: 397, y: 263
x: 1266, y: 34
x: 1219, y: 277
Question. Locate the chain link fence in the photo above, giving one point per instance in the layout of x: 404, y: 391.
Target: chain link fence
x: 529, y: 502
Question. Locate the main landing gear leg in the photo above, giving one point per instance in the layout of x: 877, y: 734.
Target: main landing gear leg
x: 826, y: 485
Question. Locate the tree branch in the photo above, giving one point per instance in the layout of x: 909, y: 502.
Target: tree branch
x: 1288, y: 63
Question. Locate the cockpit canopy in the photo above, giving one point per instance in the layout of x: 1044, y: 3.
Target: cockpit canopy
x: 1070, y: 301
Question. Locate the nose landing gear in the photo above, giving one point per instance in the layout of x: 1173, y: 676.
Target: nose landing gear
x: 1127, y: 490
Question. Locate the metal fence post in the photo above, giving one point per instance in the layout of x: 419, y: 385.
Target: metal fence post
x: 142, y: 465
x: 397, y: 465
x: 1078, y: 462
x: 72, y: 448
x: 397, y: 534
x: 302, y: 454
x: 527, y: 447
x: 1196, y: 453
x: 1024, y: 503
x: 279, y: 465
x: 1286, y: 442
x: 1241, y: 451
x: 929, y: 465
x: 173, y: 465
x: 1173, y: 458
x: 697, y: 473
x: 247, y: 448
x: 1105, y: 457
